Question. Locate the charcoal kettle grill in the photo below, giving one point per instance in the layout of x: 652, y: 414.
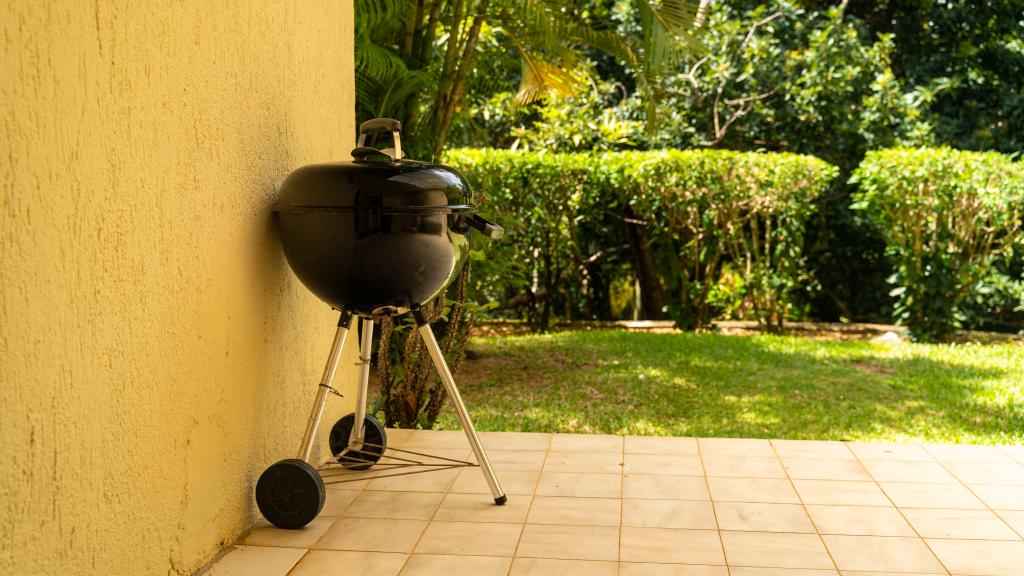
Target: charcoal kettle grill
x: 379, y: 236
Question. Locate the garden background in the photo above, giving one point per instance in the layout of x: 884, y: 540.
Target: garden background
x: 699, y: 162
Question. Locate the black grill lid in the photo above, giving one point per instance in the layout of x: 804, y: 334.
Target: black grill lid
x: 376, y: 180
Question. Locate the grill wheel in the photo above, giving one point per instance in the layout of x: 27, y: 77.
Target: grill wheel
x: 374, y: 435
x: 290, y: 494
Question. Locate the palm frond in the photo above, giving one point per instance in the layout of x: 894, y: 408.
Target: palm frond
x: 541, y: 78
x: 373, y: 15
x: 666, y: 32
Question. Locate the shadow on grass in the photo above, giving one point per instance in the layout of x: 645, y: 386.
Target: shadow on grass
x: 742, y: 386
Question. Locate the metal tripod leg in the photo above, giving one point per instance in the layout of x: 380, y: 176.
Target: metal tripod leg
x: 325, y: 386
x: 460, y: 408
x: 355, y: 438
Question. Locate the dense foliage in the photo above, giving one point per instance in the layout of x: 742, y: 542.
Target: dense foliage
x: 719, y: 230
x: 947, y: 216
x: 827, y: 78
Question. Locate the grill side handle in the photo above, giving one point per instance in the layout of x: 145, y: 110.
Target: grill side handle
x: 486, y: 227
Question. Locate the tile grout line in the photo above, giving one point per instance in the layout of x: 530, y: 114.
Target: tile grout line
x: 429, y: 522
x: 904, y: 516
x: 340, y: 515
x: 529, y: 507
x: 622, y: 503
x: 803, y: 506
x: 979, y: 498
x: 711, y: 502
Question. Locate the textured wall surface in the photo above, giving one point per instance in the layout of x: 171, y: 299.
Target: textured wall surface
x: 155, y: 351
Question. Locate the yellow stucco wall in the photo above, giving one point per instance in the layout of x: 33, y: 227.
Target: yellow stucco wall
x: 155, y: 351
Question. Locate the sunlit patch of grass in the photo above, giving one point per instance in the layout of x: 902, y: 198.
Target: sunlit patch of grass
x: 750, y: 386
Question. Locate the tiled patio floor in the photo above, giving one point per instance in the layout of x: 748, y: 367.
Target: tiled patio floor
x: 596, y: 505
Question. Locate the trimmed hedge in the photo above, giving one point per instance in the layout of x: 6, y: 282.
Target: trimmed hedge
x: 712, y: 208
x: 947, y: 217
x: 721, y: 227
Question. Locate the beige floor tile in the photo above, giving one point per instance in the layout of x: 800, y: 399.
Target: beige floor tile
x: 743, y: 466
x: 988, y: 472
x: 671, y: 545
x: 601, y: 462
x: 663, y: 464
x: 1015, y: 452
x: 894, y: 471
x: 372, y: 535
x: 398, y: 436
x: 694, y: 514
x: 481, y: 508
x: 513, y: 482
x: 255, y: 561
x: 436, y: 439
x: 771, y: 490
x: 348, y: 563
x: 519, y: 460
x: 904, y: 452
x: 569, y: 542
x: 652, y: 569
x: 735, y: 447
x: 979, y: 557
x: 825, y: 469
x: 859, y: 520
x: 1015, y: 518
x: 879, y: 553
x: 516, y: 440
x: 751, y: 571
x: 337, y: 501
x: 429, y: 481
x: 959, y: 524
x: 775, y: 550
x: 841, y: 493
x: 266, y: 534
x: 1006, y: 497
x: 553, y: 567
x: 430, y: 456
x: 433, y: 565
x: 470, y: 539
x: 967, y: 453
x: 660, y: 445
x: 664, y: 487
x: 396, y: 505
x: 586, y: 442
x: 812, y: 449
x: 753, y: 517
x: 580, y: 485
x: 575, y: 511
x: 916, y: 495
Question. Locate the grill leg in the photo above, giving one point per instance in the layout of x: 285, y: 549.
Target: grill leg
x: 355, y: 438
x: 325, y: 385
x: 460, y: 408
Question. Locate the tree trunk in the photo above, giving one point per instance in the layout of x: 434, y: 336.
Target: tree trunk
x: 652, y: 293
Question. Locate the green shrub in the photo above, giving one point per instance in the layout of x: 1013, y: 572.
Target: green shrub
x: 947, y: 216
x: 700, y: 211
x: 712, y: 207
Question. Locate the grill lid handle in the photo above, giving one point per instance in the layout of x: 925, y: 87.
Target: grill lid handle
x: 382, y: 125
x: 486, y: 227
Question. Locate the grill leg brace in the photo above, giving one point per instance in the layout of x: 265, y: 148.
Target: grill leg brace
x: 460, y: 408
x: 325, y: 385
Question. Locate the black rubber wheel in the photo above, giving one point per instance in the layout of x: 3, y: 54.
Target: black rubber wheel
x: 290, y: 494
x: 373, y: 434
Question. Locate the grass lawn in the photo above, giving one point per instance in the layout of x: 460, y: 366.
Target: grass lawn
x: 750, y: 386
